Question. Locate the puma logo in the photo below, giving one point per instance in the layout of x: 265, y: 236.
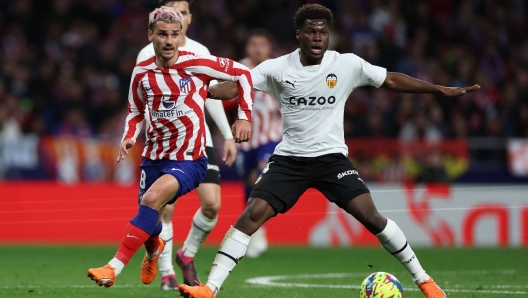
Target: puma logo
x: 293, y: 84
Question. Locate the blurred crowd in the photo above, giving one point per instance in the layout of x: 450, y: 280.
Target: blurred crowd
x: 65, y: 65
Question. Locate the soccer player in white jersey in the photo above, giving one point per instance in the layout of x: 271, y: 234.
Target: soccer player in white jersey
x: 208, y: 192
x: 174, y: 85
x: 311, y: 86
x: 266, y: 132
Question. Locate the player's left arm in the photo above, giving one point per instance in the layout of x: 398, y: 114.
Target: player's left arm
x: 217, y: 112
x: 403, y: 83
x: 228, y: 70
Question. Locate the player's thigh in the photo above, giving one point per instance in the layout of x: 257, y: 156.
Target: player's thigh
x: 282, y: 182
x: 213, y: 171
x: 161, y: 192
x: 337, y: 178
x: 188, y: 173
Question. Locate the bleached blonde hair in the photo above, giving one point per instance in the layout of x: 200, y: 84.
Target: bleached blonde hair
x: 165, y: 14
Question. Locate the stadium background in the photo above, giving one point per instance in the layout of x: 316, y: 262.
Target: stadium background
x: 451, y: 172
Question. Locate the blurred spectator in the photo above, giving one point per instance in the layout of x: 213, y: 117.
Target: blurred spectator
x: 420, y: 128
x: 65, y: 65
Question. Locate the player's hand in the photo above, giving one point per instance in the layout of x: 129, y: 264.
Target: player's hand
x: 230, y: 152
x: 241, y: 130
x: 456, y: 91
x: 123, y: 149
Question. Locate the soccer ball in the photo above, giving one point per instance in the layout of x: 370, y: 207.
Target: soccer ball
x: 381, y: 285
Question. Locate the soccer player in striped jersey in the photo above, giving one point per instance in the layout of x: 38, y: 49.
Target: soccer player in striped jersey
x: 311, y: 86
x: 174, y: 85
x: 208, y: 192
x: 266, y: 132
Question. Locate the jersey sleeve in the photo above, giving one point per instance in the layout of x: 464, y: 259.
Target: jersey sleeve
x: 263, y: 78
x: 228, y: 70
x: 136, y: 107
x: 366, y: 73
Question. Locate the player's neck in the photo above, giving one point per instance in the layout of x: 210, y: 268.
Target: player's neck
x: 307, y: 62
x: 162, y: 63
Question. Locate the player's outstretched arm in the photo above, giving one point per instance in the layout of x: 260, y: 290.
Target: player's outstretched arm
x: 403, y: 83
x: 224, y: 90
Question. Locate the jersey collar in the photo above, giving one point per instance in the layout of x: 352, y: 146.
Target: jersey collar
x: 297, y: 61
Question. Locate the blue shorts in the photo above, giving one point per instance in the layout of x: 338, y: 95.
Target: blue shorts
x: 248, y: 160
x: 189, y: 174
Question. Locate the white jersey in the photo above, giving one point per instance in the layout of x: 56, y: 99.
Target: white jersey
x: 214, y: 107
x: 312, y: 98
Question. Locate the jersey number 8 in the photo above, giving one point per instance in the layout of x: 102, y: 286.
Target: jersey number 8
x: 142, y: 179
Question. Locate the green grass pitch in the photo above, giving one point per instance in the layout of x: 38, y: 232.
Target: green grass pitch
x: 60, y: 271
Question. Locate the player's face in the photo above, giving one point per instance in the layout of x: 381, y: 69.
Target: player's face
x: 313, y: 37
x: 258, y: 49
x: 183, y: 7
x: 166, y: 38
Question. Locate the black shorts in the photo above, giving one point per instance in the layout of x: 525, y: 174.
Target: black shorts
x: 213, y: 171
x: 286, y: 178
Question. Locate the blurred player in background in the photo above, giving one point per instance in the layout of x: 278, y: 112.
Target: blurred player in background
x: 311, y: 86
x: 266, y: 132
x: 206, y: 217
x: 174, y: 85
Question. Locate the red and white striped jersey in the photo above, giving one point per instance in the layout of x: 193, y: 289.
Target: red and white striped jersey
x: 175, y: 97
x: 267, y: 123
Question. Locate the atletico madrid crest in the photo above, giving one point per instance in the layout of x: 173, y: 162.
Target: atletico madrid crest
x: 331, y: 80
x: 185, y: 87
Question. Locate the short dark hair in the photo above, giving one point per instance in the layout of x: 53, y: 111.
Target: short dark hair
x: 163, y: 2
x: 260, y: 32
x: 312, y: 12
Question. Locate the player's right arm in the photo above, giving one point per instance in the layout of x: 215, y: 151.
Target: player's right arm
x: 135, y: 116
x: 262, y: 81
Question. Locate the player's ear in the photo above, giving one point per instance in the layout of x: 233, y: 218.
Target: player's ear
x: 190, y: 19
x: 297, y: 34
x: 150, y: 35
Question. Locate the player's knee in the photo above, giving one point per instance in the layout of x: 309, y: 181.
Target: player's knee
x: 259, y: 211
x: 211, y: 209
x: 151, y: 199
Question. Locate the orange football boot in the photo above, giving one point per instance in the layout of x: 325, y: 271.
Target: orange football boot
x: 103, y: 276
x: 199, y: 291
x: 149, y: 267
x: 431, y: 289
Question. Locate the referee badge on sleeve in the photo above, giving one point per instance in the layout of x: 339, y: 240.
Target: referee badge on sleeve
x: 331, y: 80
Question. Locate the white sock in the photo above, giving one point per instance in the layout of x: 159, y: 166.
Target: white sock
x: 229, y: 254
x: 201, y: 227
x: 165, y: 259
x: 152, y: 255
x: 393, y: 240
x: 118, y: 265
